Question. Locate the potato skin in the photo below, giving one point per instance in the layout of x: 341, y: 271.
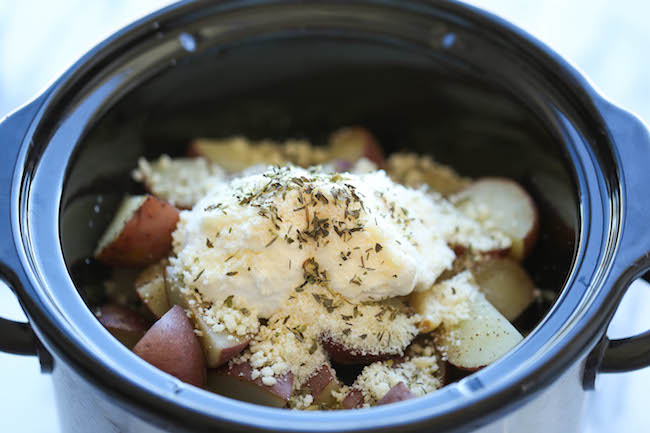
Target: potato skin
x: 217, y: 346
x: 510, y: 202
x: 341, y: 354
x: 399, y: 392
x: 235, y: 381
x: 281, y: 389
x: 125, y: 324
x: 353, y: 400
x: 145, y: 238
x: 229, y: 352
x: 321, y: 385
x: 171, y: 345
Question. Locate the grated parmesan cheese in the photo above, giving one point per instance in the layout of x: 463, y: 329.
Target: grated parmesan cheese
x: 340, y: 394
x: 180, y: 181
x: 292, y: 339
x: 417, y: 373
x: 446, y: 302
x: 415, y: 170
x: 301, y: 401
x: 231, y: 315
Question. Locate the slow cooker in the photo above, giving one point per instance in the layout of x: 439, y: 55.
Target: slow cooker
x: 435, y: 77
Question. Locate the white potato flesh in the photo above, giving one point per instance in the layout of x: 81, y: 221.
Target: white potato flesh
x: 506, y: 284
x: 150, y: 286
x: 481, y: 339
x: 124, y: 213
x: 140, y: 233
x: 502, y: 204
x: 322, y: 384
x: 236, y: 382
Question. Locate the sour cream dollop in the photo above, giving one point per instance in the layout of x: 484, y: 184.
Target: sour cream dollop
x: 264, y: 237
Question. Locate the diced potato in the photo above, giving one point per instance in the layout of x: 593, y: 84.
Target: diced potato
x: 321, y: 385
x: 481, y: 339
x: 140, y: 233
x: 352, y: 143
x: 125, y: 324
x: 506, y: 285
x: 150, y: 286
x: 342, y: 354
x: 170, y: 345
x: 236, y: 381
x: 502, y: 204
x: 219, y: 347
x: 399, y: 392
x: 353, y: 400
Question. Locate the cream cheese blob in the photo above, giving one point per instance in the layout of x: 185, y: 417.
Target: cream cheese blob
x: 264, y: 237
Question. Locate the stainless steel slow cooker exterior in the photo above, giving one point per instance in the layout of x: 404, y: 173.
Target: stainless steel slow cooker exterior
x: 46, y: 168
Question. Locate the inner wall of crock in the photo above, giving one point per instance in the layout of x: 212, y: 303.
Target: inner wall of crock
x: 436, y: 101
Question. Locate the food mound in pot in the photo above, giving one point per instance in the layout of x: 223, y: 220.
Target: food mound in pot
x: 317, y: 277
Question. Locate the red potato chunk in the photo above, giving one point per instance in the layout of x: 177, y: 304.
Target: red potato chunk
x: 236, y: 381
x: 506, y: 285
x: 399, y: 392
x: 150, y: 286
x: 171, y: 346
x: 352, y: 143
x: 481, y: 339
x: 353, y: 400
x: 443, y: 373
x: 219, y: 347
x: 140, y: 233
x: 321, y: 385
x: 125, y: 324
x: 341, y: 354
x: 504, y: 205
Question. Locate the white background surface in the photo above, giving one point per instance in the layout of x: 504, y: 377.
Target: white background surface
x: 608, y: 40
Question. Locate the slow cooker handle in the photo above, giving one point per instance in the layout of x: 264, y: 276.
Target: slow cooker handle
x: 626, y: 354
x: 632, y: 140
x: 15, y: 337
